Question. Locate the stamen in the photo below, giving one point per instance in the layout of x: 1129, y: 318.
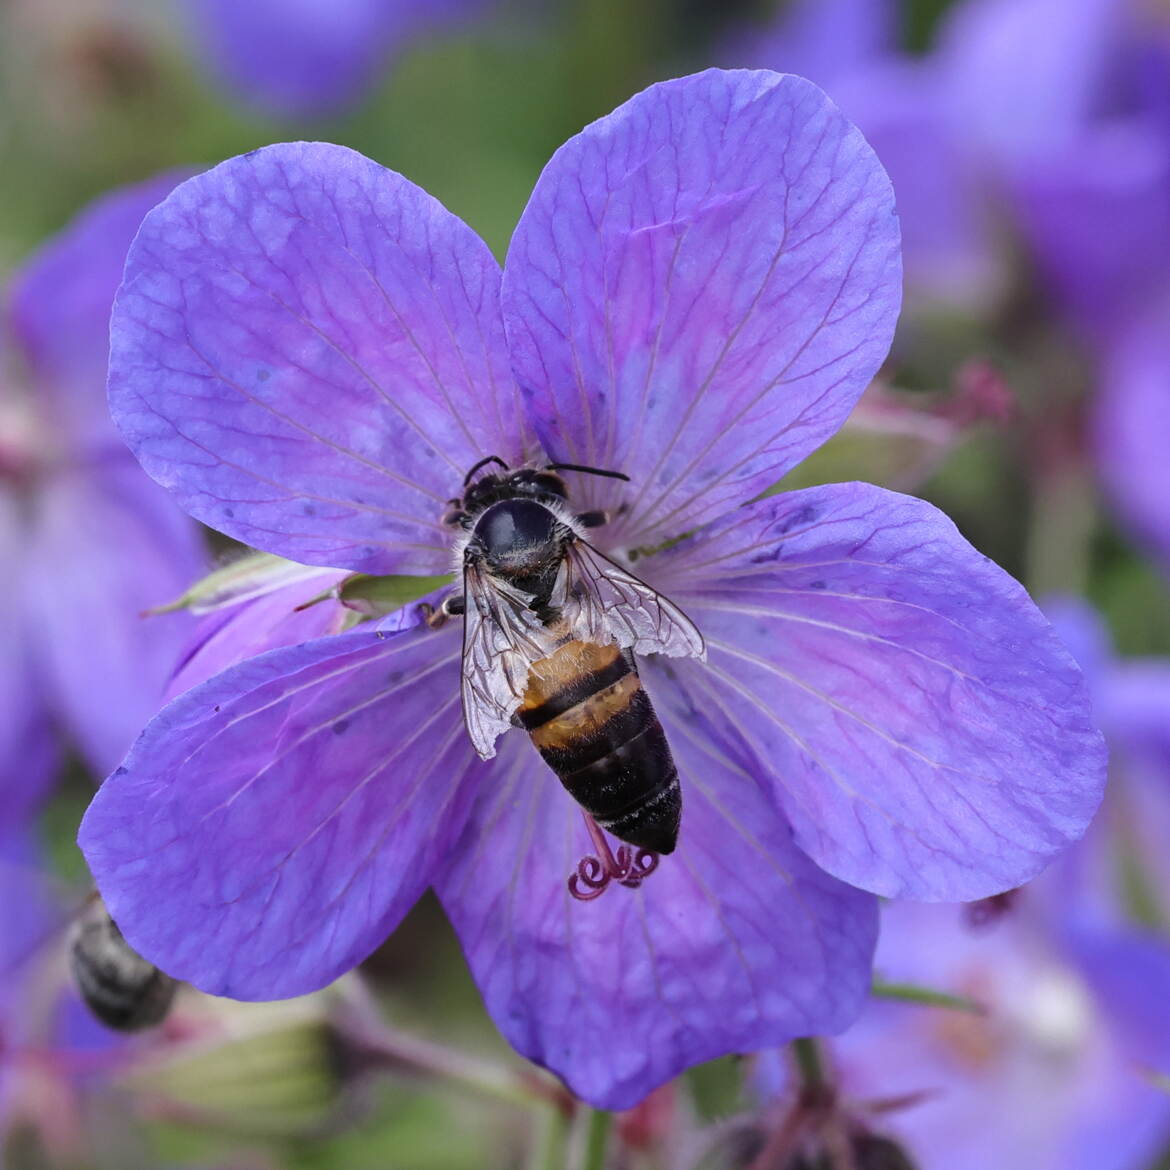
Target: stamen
x: 594, y: 873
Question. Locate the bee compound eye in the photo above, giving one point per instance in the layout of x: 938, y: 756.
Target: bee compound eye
x: 122, y: 990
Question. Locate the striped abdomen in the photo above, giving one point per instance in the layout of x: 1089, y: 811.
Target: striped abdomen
x: 593, y: 723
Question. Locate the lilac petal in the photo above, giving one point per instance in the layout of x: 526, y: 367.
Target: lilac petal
x: 700, y: 288
x: 29, y: 754
x: 1023, y: 74
x: 1049, y: 1063
x: 310, y: 56
x: 259, y: 624
x: 1131, y: 422
x: 27, y: 914
x: 922, y: 726
x: 1097, y: 220
x: 107, y: 545
x: 60, y: 307
x: 272, y: 826
x: 735, y: 943
x: 948, y: 245
x: 308, y: 353
x: 824, y: 40
x: 1082, y: 629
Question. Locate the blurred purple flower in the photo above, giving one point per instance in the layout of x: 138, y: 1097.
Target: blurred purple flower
x: 298, y: 58
x: 1002, y: 129
x: 87, y: 540
x: 51, y: 1050
x: 1123, y: 866
x: 310, y: 352
x: 1056, y: 1075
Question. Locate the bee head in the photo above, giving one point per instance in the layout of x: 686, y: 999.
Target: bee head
x: 518, y: 537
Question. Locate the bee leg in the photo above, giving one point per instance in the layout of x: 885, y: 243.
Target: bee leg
x: 436, y: 617
x: 592, y: 519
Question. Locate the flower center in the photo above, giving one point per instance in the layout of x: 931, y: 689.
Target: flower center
x: 1048, y: 1018
x: 594, y: 873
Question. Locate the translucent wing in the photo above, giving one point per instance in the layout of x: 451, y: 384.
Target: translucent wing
x: 602, y: 602
x: 502, y: 638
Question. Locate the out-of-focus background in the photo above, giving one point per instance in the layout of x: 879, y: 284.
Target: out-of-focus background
x: 1028, y: 394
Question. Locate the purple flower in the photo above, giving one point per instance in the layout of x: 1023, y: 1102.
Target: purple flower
x: 310, y: 56
x: 311, y: 353
x: 1122, y: 866
x: 50, y: 1049
x: 88, y: 542
x: 1057, y: 1072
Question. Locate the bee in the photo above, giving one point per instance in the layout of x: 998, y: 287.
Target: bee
x: 551, y: 632
x: 119, y: 987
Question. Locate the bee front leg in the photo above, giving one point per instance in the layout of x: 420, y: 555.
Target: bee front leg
x: 437, y: 616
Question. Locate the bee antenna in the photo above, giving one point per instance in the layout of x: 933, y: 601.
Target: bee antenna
x: 483, y: 463
x: 587, y: 470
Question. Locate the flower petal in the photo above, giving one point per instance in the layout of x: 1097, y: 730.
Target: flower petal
x: 29, y: 754
x: 311, y: 57
x: 699, y: 290
x: 1064, y: 1083
x: 1132, y: 419
x: 736, y: 942
x: 308, y: 352
x: 281, y: 617
x: 107, y: 545
x: 923, y: 728
x: 60, y: 307
x: 1097, y: 221
x: 272, y: 826
x: 1023, y: 74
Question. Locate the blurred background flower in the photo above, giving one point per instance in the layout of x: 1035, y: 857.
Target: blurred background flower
x: 88, y: 542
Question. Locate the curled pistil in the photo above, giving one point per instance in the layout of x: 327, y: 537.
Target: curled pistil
x: 595, y: 871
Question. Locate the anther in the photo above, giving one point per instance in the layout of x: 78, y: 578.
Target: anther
x: 595, y: 872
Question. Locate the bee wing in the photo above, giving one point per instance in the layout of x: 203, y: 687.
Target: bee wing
x: 605, y: 603
x: 502, y: 638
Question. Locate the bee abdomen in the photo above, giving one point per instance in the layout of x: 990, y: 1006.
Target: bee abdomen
x: 600, y: 735
x: 121, y: 988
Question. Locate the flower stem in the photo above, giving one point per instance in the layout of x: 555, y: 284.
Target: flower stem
x: 550, y: 1141
x: 810, y: 1063
x: 597, y: 1130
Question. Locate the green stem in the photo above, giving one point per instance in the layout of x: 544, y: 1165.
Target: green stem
x: 550, y: 1141
x: 912, y: 993
x: 597, y: 1132
x: 810, y: 1062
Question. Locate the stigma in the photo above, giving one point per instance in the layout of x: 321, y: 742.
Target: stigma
x: 595, y: 872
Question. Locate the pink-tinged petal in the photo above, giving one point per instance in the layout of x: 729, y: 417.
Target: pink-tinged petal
x: 735, y: 943
x: 28, y: 746
x: 108, y: 544
x: 1131, y: 422
x: 272, y: 825
x: 700, y: 288
x: 919, y: 720
x: 59, y: 307
x: 308, y: 352
x: 263, y: 623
